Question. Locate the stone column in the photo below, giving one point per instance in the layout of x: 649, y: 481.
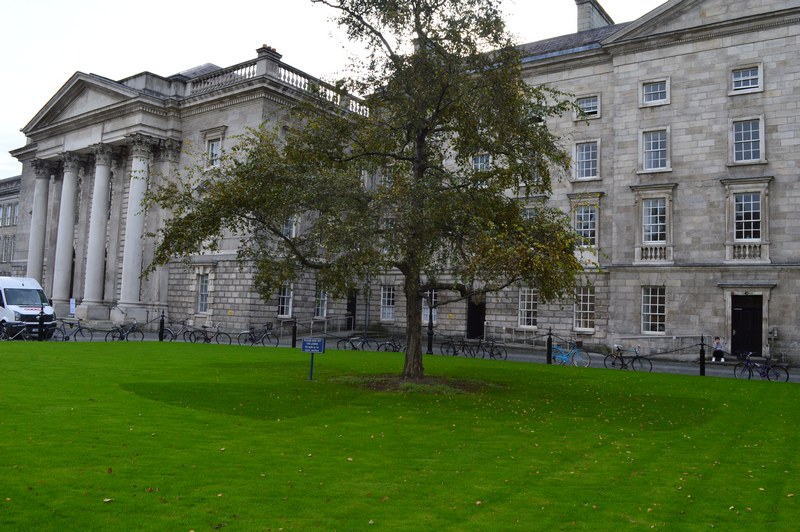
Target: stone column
x: 98, y: 223
x: 140, y: 147
x: 41, y: 190
x: 62, y: 269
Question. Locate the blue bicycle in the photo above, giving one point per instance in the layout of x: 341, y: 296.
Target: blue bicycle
x: 575, y: 356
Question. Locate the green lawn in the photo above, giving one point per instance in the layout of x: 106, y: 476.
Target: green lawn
x: 148, y: 436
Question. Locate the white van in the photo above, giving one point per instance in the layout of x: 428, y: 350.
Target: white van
x: 22, y: 300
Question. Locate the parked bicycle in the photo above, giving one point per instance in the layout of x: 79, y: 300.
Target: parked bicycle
x: 357, y: 343
x: 71, y: 330
x: 15, y: 331
x: 181, y: 330
x: 619, y: 360
x: 206, y: 334
x: 263, y: 337
x: 129, y: 332
x: 496, y: 350
x: 392, y: 344
x: 768, y: 370
x: 575, y: 355
x: 458, y: 346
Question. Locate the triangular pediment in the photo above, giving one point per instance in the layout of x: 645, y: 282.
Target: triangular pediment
x: 676, y: 16
x: 81, y: 95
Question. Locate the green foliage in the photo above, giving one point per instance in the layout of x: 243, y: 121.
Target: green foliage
x: 393, y: 186
x: 203, y: 437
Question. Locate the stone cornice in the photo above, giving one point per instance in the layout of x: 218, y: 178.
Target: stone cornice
x: 101, y: 115
x: 707, y: 32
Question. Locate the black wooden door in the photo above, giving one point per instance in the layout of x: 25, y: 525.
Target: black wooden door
x: 746, y: 324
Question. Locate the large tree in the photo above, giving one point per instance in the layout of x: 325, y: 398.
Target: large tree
x: 428, y: 175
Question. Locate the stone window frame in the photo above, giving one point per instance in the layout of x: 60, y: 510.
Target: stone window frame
x: 434, y: 295
x: 576, y: 169
x: 759, y: 87
x: 655, y: 103
x: 204, y: 299
x: 528, y: 308
x: 320, y: 304
x: 388, y: 302
x: 588, y: 254
x: 285, y: 300
x: 647, y: 313
x: 588, y: 116
x: 746, y: 251
x: 654, y: 253
x: 762, y: 145
x: 642, y: 159
x: 585, y: 309
x: 210, y: 136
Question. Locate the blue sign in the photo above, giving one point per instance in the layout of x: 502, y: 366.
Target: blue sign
x: 313, y: 345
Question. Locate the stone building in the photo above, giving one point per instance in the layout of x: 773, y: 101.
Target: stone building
x: 683, y: 186
x: 10, y: 264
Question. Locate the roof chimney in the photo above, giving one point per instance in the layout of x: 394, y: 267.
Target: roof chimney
x: 591, y: 15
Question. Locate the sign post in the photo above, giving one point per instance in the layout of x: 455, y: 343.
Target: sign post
x: 313, y: 345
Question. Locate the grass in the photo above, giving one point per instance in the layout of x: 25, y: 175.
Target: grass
x: 147, y: 436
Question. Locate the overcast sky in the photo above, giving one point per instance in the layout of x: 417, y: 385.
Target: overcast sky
x: 44, y: 42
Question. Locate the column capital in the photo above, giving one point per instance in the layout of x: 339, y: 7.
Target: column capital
x: 71, y: 161
x: 140, y: 145
x: 169, y: 149
x: 102, y: 154
x: 43, y: 169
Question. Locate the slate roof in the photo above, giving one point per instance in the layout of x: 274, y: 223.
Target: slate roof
x: 566, y: 44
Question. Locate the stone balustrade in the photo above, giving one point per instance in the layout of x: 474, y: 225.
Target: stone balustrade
x: 286, y: 74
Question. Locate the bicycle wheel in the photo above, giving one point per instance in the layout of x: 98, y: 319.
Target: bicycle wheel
x: 449, y: 348
x: 135, y: 336
x: 641, y: 364
x: 343, y: 343
x: 83, y: 335
x: 270, y: 340
x: 613, y: 362
x: 57, y: 336
x: 196, y: 337
x: 581, y: 358
x: 777, y: 374
x: 169, y: 335
x: 498, y: 352
x: 112, y: 336
x: 368, y: 345
x: 742, y: 371
x: 245, y: 338
x: 223, y: 338
x: 559, y: 356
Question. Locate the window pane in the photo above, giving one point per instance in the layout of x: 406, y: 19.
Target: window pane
x: 747, y: 216
x: 321, y: 304
x: 588, y: 105
x: 285, y: 301
x: 586, y: 160
x: 213, y: 152
x: 584, y: 307
x: 387, y: 303
x: 481, y: 163
x: 655, y: 149
x: 655, y: 91
x: 585, y: 224
x: 654, y: 309
x: 746, y: 78
x: 747, y: 140
x: 202, y: 292
x: 426, y: 310
x: 528, y: 311
x: 654, y: 220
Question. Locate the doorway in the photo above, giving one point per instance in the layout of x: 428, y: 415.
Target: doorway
x: 476, y: 316
x: 747, y: 324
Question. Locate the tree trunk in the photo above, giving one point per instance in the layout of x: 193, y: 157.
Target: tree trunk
x: 413, y: 366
